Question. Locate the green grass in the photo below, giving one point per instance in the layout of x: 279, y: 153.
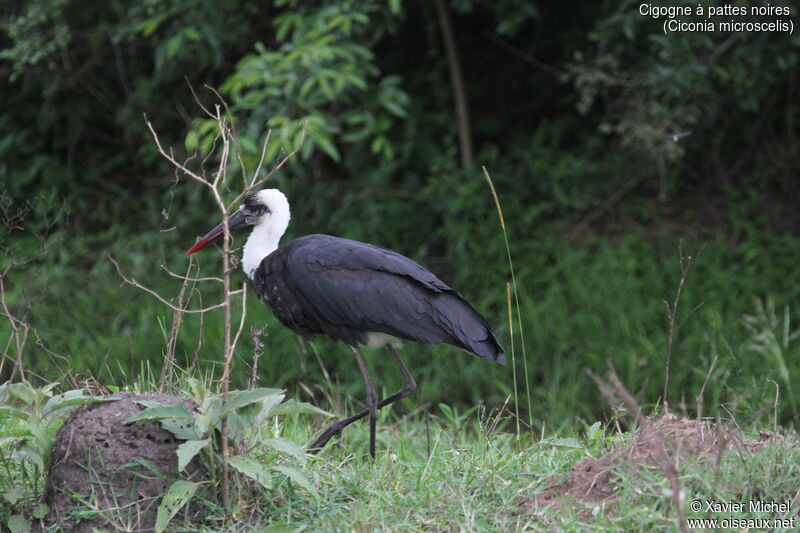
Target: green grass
x: 467, y: 470
x: 582, y: 307
x: 447, y: 466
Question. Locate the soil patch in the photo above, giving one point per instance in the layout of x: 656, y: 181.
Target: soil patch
x: 651, y: 447
x: 110, y: 475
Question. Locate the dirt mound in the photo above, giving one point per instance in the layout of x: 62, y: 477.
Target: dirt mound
x: 652, y: 446
x: 110, y: 475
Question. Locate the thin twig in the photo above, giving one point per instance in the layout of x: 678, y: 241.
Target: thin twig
x: 172, y: 339
x: 131, y: 281
x: 186, y: 278
x: 258, y: 350
x: 685, y: 265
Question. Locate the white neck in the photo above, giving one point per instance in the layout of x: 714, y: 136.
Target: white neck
x: 263, y: 240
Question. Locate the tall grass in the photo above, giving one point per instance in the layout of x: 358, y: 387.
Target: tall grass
x: 513, y: 288
x: 578, y: 306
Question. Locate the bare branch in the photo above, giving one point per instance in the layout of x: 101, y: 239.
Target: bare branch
x: 169, y: 157
x: 186, y: 278
x: 277, y: 167
x: 217, y: 183
x: 133, y: 282
x: 244, y: 314
x: 261, y: 159
x: 196, y: 99
x: 231, y: 133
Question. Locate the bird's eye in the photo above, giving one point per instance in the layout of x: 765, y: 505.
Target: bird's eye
x: 250, y: 206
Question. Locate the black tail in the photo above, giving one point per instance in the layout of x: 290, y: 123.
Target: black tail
x: 466, y: 327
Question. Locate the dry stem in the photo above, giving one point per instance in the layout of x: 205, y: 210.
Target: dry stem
x: 224, y: 143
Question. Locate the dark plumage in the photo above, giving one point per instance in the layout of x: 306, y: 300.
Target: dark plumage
x: 319, y: 284
x: 353, y: 292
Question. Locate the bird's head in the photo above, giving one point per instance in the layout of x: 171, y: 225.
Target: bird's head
x: 267, y: 207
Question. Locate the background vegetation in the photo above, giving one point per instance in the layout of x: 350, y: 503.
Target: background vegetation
x: 571, y: 106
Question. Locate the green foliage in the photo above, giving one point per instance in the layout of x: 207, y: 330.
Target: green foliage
x: 643, y: 86
x: 369, y: 83
x: 29, y: 417
x: 771, y: 338
x: 245, y: 413
x: 319, y: 79
x: 178, y: 495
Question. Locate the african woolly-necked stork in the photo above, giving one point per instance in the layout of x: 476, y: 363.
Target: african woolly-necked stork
x: 353, y: 292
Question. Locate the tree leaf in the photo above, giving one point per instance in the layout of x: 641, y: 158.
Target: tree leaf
x: 7, y: 441
x: 242, y: 398
x: 188, y: 450
x: 192, y: 141
x: 176, y: 497
x: 18, y: 524
x: 13, y: 411
x: 293, y: 407
x: 287, y: 446
x: 252, y: 469
x: 181, y: 428
x: 298, y: 477
x: 566, y: 442
x: 59, y: 403
x: 155, y: 411
x: 13, y: 494
x: 34, y: 455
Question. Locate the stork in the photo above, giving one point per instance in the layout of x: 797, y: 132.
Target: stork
x: 353, y: 292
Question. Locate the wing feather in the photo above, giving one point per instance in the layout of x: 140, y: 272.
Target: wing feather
x: 347, y: 289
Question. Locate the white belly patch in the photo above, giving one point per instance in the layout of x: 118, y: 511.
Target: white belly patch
x: 378, y: 340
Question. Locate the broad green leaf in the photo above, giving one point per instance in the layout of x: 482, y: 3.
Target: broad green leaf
x: 22, y: 392
x: 394, y: 108
x: 595, y: 431
x: 287, y: 446
x: 13, y: 494
x: 293, y: 407
x: 176, y: 497
x: 188, y: 450
x: 298, y: 477
x: 252, y: 469
x: 34, y: 455
x: 174, y: 45
x: 41, y: 510
x: 325, y: 143
x: 191, y: 33
x: 49, y: 387
x: 240, y: 399
x: 71, y: 399
x: 155, y: 411
x: 8, y: 441
x: 43, y: 439
x: 12, y: 411
x: 18, y: 524
x: 209, y: 414
x: 181, y: 428
x: 199, y: 391
x: 192, y: 141
x: 568, y: 442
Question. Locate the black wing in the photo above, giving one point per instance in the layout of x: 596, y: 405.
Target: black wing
x: 346, y: 289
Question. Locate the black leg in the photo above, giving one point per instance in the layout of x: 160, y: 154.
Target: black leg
x: 409, y: 386
x: 372, y: 399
